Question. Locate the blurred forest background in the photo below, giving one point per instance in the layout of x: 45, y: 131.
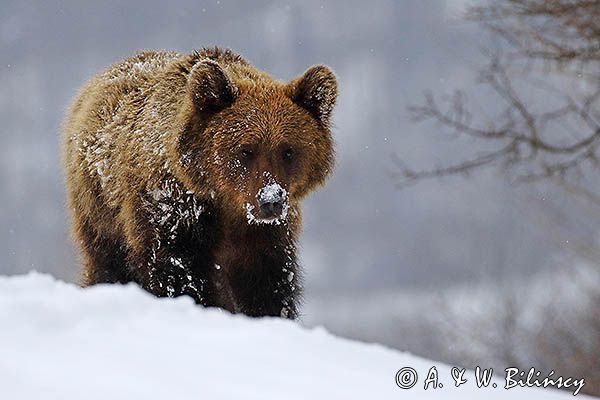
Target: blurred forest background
x: 497, y: 264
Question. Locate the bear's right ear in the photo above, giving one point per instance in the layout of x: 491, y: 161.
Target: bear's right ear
x: 210, y: 88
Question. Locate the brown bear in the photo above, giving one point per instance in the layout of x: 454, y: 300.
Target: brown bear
x: 185, y: 174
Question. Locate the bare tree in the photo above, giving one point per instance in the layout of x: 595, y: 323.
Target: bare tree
x: 545, y: 73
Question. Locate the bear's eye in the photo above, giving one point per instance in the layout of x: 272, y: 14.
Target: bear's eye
x: 246, y: 154
x: 288, y: 154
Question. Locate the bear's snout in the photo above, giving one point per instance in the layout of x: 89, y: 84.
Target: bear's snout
x: 272, y: 201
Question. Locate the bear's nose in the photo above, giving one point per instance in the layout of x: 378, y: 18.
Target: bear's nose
x: 271, y: 199
x: 271, y: 209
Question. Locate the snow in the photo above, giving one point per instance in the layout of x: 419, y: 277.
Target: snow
x: 61, y: 342
x: 272, y: 192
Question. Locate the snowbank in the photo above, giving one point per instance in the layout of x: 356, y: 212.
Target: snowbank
x: 113, y: 342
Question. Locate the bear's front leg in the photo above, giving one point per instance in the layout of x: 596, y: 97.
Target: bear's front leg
x: 165, y: 273
x: 269, y: 287
x: 172, y: 253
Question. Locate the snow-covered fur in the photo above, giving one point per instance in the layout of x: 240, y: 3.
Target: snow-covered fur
x: 166, y: 157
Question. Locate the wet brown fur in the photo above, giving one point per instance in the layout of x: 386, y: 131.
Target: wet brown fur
x: 157, y: 188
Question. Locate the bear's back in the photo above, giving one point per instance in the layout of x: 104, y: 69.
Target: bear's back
x: 100, y: 114
x: 138, y: 67
x: 103, y: 95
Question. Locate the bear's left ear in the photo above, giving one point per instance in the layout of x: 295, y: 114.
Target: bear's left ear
x: 316, y: 91
x: 210, y: 88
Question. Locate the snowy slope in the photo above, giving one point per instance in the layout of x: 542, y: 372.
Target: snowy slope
x: 113, y: 342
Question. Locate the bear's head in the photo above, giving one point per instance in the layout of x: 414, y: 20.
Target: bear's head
x: 256, y: 145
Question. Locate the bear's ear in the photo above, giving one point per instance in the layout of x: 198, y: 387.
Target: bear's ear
x: 316, y: 91
x: 210, y: 88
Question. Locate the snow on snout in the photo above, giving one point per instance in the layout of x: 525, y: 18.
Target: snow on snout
x: 272, y: 193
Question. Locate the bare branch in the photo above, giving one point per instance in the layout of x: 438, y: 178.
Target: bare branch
x: 406, y: 176
x: 556, y: 144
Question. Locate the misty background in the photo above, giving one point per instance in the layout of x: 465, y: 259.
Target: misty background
x: 381, y: 264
